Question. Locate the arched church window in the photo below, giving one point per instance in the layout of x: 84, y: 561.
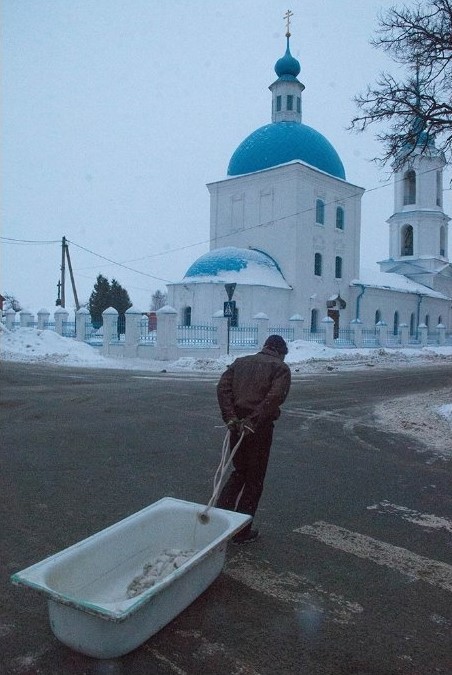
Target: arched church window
x: 187, y: 316
x: 377, y: 316
x: 340, y: 218
x: 440, y: 319
x: 407, y: 240
x: 298, y: 104
x: 318, y: 264
x: 278, y: 103
x: 320, y: 212
x: 442, y: 240
x: 338, y: 270
x: 412, y: 324
x: 290, y: 102
x: 314, y: 320
x: 427, y: 320
x: 396, y: 324
x: 409, y: 187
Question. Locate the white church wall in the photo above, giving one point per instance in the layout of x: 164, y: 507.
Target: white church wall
x: 205, y: 299
x: 387, y: 303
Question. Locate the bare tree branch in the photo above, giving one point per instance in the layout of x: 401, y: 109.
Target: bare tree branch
x: 418, y: 106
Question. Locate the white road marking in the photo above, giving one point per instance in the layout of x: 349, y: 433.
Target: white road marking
x: 294, y: 589
x: 423, y: 519
x: 414, y: 566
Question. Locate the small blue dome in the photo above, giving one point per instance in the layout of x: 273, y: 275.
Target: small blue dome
x: 243, y: 265
x: 287, y: 65
x: 282, y: 142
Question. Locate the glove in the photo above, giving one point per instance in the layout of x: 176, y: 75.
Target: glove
x: 246, y: 427
x: 233, y: 424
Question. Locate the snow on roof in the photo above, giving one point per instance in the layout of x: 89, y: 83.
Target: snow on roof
x: 230, y: 264
x: 393, y: 282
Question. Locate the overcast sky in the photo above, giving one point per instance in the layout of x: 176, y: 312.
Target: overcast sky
x: 116, y: 113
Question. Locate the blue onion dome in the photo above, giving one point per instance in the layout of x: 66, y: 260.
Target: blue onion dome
x: 281, y: 142
x: 244, y: 265
x: 287, y: 65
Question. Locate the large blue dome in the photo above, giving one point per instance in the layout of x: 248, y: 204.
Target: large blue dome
x: 282, y: 142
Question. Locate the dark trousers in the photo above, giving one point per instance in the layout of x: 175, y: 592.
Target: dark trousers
x: 243, y: 489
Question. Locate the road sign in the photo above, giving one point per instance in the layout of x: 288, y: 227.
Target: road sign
x: 229, y: 308
x: 230, y: 288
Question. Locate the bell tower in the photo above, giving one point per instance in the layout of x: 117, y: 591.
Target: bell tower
x: 418, y: 228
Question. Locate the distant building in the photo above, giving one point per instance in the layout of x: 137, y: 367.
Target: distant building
x: 285, y: 227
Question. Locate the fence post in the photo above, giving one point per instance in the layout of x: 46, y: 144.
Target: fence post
x: 262, y: 328
x: 10, y: 318
x: 356, y: 327
x: 382, y: 333
x: 26, y: 318
x: 329, y: 331
x: 441, y: 328
x: 133, y: 320
x: 61, y: 315
x: 110, y: 324
x: 423, y: 334
x: 297, y: 325
x: 221, y: 323
x: 403, y: 333
x: 43, y: 318
x: 166, y: 346
x: 81, y: 319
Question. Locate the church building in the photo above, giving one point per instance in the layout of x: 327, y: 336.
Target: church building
x: 285, y: 228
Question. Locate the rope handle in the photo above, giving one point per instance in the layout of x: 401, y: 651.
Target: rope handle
x: 223, y: 466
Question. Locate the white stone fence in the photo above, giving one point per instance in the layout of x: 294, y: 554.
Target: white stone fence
x: 170, y: 342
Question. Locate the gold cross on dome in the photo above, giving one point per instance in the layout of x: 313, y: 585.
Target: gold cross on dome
x: 288, y: 16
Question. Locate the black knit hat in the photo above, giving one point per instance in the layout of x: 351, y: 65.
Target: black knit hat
x: 277, y: 343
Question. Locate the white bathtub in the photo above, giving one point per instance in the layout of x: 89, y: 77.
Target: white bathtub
x: 86, y: 584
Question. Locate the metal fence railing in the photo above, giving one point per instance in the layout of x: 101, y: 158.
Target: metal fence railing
x: 196, y: 336
x: 147, y: 336
x: 369, y: 336
x: 344, y: 338
x: 243, y: 337
x: 68, y: 329
x: 94, y: 335
x: 313, y: 335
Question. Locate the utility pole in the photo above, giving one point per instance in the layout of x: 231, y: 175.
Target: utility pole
x: 61, y: 284
x: 63, y: 271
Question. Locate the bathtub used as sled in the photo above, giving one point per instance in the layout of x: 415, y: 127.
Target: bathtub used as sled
x: 86, y: 584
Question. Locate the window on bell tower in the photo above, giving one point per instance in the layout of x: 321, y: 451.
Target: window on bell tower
x: 290, y: 102
x: 409, y: 187
x: 442, y: 241
x: 406, y: 243
x: 278, y: 103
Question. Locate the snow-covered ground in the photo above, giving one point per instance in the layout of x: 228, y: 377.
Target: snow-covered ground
x: 427, y: 419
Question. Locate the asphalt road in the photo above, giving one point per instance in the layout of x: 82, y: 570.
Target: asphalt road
x: 346, y: 578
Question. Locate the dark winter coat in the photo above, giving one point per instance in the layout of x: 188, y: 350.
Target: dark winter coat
x: 254, y: 387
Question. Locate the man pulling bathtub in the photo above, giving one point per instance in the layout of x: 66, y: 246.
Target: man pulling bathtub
x: 249, y: 394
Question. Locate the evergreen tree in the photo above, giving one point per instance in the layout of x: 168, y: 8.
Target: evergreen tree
x: 99, y: 300
x: 119, y: 299
x: 107, y: 295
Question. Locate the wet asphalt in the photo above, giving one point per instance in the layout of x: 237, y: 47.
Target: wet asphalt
x: 81, y: 449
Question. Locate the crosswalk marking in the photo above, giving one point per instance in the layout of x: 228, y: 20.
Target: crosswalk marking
x: 291, y: 588
x: 427, y: 520
x: 411, y: 564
